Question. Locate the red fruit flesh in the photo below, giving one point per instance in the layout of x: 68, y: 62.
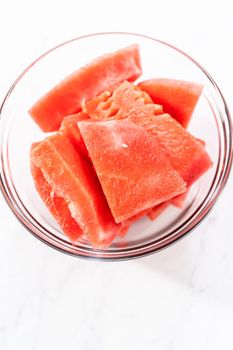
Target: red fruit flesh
x: 56, y: 205
x: 177, y: 97
x: 69, y: 127
x: 66, y: 97
x: 123, y: 231
x: 136, y: 217
x: 178, y: 201
x: 157, y: 210
x: 186, y: 153
x: 72, y: 178
x: 132, y: 167
x: 126, y: 99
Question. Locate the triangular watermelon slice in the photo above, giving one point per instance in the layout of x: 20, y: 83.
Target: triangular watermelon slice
x: 186, y: 153
x: 177, y: 97
x: 132, y: 167
x: 56, y: 205
x: 89, y: 81
x: 72, y: 178
x: 127, y: 101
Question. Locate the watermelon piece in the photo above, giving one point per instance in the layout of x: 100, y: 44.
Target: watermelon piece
x: 123, y: 101
x: 158, y: 210
x: 127, y: 223
x: 72, y: 178
x: 132, y: 167
x: 56, y: 205
x: 134, y: 218
x: 123, y: 231
x: 66, y: 97
x: 179, y: 200
x: 69, y: 127
x: 177, y: 97
x: 186, y: 153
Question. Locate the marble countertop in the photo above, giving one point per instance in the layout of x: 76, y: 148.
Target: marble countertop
x: 178, y: 299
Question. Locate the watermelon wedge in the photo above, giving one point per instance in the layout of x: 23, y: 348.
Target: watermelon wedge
x: 134, y: 218
x: 123, y: 101
x: 56, y: 205
x: 123, y: 231
x: 177, y: 97
x: 186, y: 153
x: 69, y: 127
x: 89, y: 81
x: 132, y: 167
x: 157, y: 210
x: 179, y: 200
x: 127, y: 223
x: 72, y: 178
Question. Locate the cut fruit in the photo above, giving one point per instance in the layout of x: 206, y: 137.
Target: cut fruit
x: 122, y: 151
x: 72, y: 178
x: 187, y: 154
x: 136, y: 217
x: 56, y: 205
x: 69, y: 127
x: 132, y: 167
x: 126, y: 99
x: 179, y: 200
x: 89, y: 81
x: 157, y: 210
x: 177, y: 97
x: 123, y: 231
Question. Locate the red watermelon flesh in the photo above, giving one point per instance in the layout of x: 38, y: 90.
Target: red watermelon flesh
x: 90, y: 80
x: 72, y: 178
x: 132, y: 167
x: 126, y: 99
x: 136, y: 217
x: 56, y: 205
x: 69, y: 127
x: 127, y: 223
x: 177, y: 97
x: 204, y: 163
x: 123, y: 231
x: 157, y: 210
x: 186, y: 153
x: 178, y: 201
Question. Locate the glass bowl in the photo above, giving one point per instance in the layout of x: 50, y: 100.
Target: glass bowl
x: 210, y: 122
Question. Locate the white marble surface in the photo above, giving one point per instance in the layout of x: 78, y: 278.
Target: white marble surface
x: 179, y: 299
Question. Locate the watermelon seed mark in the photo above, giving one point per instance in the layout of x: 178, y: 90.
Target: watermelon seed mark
x: 106, y: 95
x: 106, y: 105
x: 113, y: 112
